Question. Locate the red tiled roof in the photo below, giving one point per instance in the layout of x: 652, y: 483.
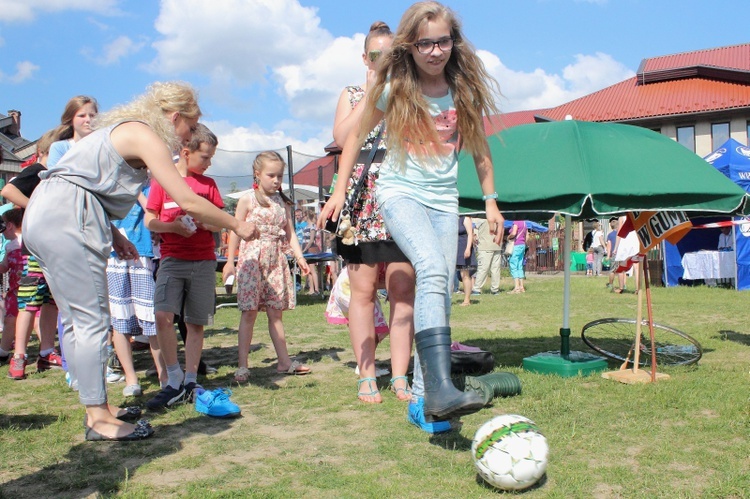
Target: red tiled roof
x: 691, y: 82
x: 508, y: 120
x: 308, y: 175
x: 628, y: 101
x: 734, y: 57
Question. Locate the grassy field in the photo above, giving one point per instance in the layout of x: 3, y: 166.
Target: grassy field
x: 310, y: 436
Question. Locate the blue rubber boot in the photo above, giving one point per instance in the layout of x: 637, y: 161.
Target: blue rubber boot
x: 416, y: 417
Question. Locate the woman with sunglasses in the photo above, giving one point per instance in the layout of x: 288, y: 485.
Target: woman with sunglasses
x: 374, y: 257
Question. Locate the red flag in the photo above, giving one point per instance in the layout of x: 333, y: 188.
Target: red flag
x: 29, y: 161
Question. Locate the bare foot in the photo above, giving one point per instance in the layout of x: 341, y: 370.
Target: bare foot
x: 368, y: 391
x: 466, y: 304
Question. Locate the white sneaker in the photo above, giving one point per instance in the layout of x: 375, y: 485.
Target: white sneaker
x: 132, y: 391
x: 378, y: 372
x: 113, y: 376
x: 72, y: 384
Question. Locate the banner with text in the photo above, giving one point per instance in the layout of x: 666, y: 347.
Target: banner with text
x: 652, y: 227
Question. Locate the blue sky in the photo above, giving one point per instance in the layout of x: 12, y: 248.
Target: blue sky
x: 269, y: 72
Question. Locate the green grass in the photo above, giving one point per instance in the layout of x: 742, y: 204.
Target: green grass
x: 309, y: 436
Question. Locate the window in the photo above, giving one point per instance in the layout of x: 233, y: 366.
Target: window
x: 686, y: 136
x: 719, y: 135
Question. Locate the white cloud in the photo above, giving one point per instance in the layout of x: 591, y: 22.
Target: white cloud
x: 121, y: 47
x: 27, y: 10
x: 277, y: 50
x: 313, y: 87
x: 275, y: 46
x: 239, y: 145
x: 24, y: 71
x: 539, y: 89
x: 240, y: 40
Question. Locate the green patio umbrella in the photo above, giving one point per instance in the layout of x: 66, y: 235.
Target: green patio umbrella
x: 586, y: 169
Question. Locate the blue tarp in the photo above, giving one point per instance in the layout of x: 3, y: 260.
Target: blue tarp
x: 733, y: 160
x: 532, y: 226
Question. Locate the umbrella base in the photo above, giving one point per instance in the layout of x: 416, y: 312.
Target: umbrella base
x: 573, y: 364
x: 630, y: 377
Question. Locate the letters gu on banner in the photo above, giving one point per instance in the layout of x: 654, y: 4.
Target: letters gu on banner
x: 652, y: 227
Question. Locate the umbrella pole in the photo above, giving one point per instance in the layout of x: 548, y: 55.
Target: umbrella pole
x: 564, y: 362
x: 565, y: 329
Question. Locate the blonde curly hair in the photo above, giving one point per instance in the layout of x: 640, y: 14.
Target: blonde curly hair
x: 152, y: 107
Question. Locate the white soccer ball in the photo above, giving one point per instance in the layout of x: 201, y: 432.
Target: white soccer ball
x: 510, y: 452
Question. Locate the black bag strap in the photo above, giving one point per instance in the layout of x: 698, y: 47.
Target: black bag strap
x: 354, y: 194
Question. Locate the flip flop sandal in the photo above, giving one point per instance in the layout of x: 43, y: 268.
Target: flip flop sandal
x: 297, y: 369
x: 242, y: 375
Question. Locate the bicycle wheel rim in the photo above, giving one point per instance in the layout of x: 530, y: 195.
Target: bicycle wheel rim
x: 615, y: 338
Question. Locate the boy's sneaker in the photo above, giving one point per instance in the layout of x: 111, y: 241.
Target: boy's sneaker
x: 415, y: 416
x: 191, y: 390
x: 17, y: 368
x: 216, y: 403
x: 132, y: 391
x: 51, y: 361
x: 4, y: 358
x: 113, y: 376
x: 167, y: 398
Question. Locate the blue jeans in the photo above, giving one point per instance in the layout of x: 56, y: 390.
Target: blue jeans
x: 429, y: 239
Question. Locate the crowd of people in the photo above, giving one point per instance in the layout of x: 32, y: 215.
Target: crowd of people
x: 135, y: 217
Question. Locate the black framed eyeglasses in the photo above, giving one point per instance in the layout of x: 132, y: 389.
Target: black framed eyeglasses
x: 374, y: 54
x: 427, y: 46
x: 2, y: 226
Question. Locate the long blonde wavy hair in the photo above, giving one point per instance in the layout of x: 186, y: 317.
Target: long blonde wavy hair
x: 153, y: 107
x: 407, y: 112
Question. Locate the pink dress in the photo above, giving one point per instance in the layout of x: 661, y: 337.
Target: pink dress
x: 263, y: 276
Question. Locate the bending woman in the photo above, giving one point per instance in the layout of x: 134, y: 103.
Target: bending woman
x: 99, y: 180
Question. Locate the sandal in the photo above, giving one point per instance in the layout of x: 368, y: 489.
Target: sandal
x: 242, y: 375
x: 131, y: 415
x: 403, y: 394
x: 372, y: 393
x: 142, y: 430
x: 297, y: 369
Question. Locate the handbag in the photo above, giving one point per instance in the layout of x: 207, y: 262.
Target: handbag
x: 508, y: 250
x: 342, y: 226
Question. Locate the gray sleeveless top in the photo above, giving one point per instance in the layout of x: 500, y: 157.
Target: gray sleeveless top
x: 94, y: 165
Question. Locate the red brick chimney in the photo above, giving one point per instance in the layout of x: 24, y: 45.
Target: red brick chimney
x: 15, y: 129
